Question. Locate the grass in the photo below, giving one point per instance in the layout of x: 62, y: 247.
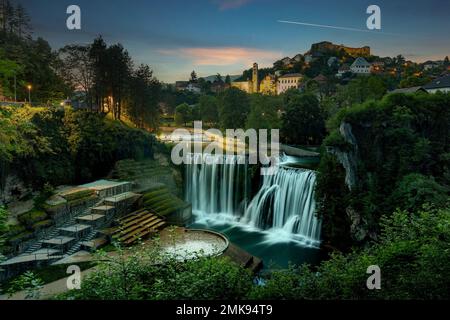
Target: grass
x: 162, y: 201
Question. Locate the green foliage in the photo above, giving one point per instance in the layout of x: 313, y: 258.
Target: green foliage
x: 415, y: 190
x: 332, y: 205
x: 413, y: 254
x: 28, y: 282
x: 144, y: 97
x: 361, y: 89
x: 183, y: 114
x: 264, y: 112
x: 402, y: 162
x: 62, y: 146
x: 209, y: 109
x: 46, y: 192
x: 234, y: 107
x: 303, y: 120
x: 135, y: 276
x: 335, y: 139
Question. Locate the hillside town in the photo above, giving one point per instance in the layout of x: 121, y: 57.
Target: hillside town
x: 328, y: 64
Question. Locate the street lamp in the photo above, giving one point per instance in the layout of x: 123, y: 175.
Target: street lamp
x: 29, y: 87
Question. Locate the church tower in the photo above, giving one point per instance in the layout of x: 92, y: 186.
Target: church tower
x: 255, y: 80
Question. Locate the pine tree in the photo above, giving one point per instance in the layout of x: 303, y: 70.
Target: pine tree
x: 23, y: 22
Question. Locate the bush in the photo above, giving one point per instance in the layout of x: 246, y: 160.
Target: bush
x: 136, y: 276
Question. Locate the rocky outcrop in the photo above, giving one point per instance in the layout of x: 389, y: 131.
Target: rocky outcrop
x: 348, y: 157
x: 13, y: 189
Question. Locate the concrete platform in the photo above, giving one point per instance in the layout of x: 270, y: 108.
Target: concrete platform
x: 104, y: 210
x: 92, y: 219
x: 39, y: 255
x: 76, y: 230
x: 60, y: 240
x: 94, y: 244
x: 121, y: 197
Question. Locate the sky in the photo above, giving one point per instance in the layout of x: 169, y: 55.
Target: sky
x: 175, y: 37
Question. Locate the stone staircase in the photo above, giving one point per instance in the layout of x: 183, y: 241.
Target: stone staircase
x: 77, y: 246
x: 77, y: 233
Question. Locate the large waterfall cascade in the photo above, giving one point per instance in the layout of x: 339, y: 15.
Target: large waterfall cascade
x: 284, y: 206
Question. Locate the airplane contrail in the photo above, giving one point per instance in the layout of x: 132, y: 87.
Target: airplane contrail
x: 333, y: 27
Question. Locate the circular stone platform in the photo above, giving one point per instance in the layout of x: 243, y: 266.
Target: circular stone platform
x: 193, y: 243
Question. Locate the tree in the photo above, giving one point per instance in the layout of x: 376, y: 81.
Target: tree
x: 23, y: 22
x: 97, y: 54
x: 209, y: 109
x: 234, y: 107
x: 194, y: 77
x: 303, y: 121
x: 145, y: 93
x: 182, y: 114
x: 264, y: 112
x: 228, y: 79
x: 8, y: 70
x: 77, y: 68
x: 219, y: 78
x: 119, y: 68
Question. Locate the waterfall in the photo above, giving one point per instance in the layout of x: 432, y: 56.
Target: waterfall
x: 217, y: 185
x: 284, y: 206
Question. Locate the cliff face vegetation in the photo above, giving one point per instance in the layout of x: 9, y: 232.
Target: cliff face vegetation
x: 382, y: 156
x: 62, y: 146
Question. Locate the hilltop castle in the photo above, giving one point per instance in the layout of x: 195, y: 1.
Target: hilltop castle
x: 324, y: 47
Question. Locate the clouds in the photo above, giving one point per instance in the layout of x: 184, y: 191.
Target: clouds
x: 230, y: 4
x: 224, y: 56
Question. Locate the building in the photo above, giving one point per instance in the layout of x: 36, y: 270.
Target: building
x: 429, y: 65
x: 332, y: 61
x: 345, y: 68
x: 246, y: 86
x: 181, y: 85
x: 298, y: 58
x: 288, y: 81
x: 409, y: 90
x: 441, y: 84
x: 193, y: 87
x: 249, y: 86
x: 255, y: 78
x: 360, y: 66
x: 377, y: 67
x: 321, y: 79
x: 219, y: 86
x: 268, y: 85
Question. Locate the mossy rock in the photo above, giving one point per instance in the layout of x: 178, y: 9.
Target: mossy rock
x: 24, y: 236
x: 42, y: 225
x: 78, y: 195
x: 14, y: 230
x: 28, y: 219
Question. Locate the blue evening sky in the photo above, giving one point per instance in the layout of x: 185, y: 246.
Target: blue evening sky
x: 225, y: 36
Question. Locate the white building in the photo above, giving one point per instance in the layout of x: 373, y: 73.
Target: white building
x: 360, y: 66
x: 193, y: 87
x: 288, y: 81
